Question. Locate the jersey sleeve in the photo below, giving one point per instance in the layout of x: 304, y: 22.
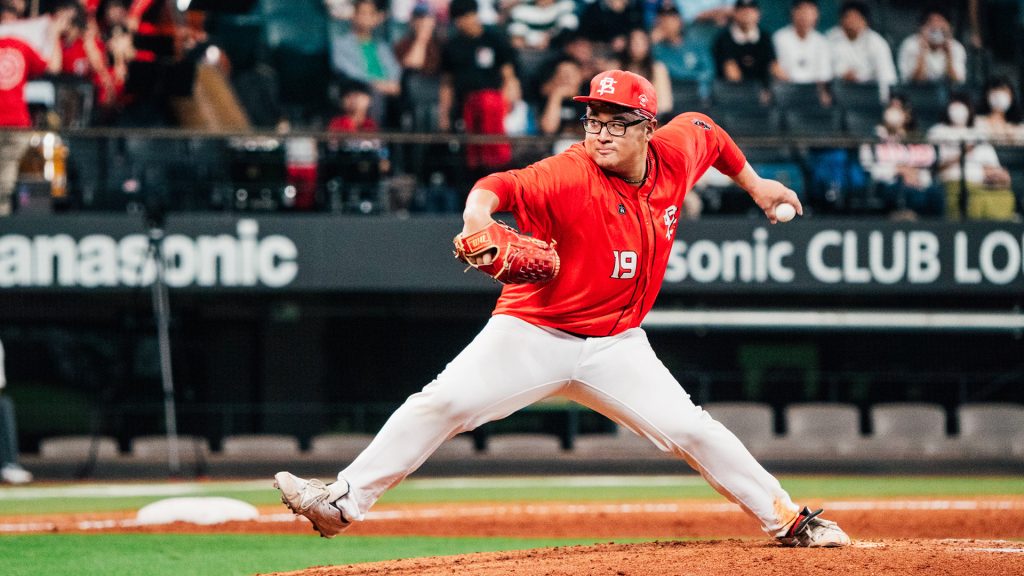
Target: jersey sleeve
x: 703, y: 143
x: 35, y: 65
x: 539, y: 195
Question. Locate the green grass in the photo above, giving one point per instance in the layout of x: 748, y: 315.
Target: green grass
x: 225, y: 554
x: 62, y: 499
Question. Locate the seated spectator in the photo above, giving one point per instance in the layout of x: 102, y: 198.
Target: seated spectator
x: 898, y: 120
x: 608, y: 22
x: 360, y: 56
x: 989, y: 196
x: 932, y: 54
x: 902, y: 170
x: 419, y: 50
x: 355, y: 111
x: 684, y: 59
x: 859, y: 54
x: 560, y: 114
x: 478, y: 74
x: 705, y: 19
x: 999, y: 114
x: 637, y: 58
x: 803, y: 53
x: 534, y: 23
x: 743, y: 51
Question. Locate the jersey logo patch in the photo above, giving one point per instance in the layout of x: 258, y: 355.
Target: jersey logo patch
x: 622, y: 208
x: 607, y: 86
x: 701, y: 124
x: 671, y: 219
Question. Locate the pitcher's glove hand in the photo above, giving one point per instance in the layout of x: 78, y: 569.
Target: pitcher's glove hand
x: 517, y: 259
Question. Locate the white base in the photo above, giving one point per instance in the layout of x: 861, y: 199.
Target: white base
x: 197, y: 510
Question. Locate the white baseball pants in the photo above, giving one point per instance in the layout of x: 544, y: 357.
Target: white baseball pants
x: 512, y: 364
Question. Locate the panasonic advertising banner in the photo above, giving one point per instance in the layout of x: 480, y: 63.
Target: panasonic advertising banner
x: 334, y: 253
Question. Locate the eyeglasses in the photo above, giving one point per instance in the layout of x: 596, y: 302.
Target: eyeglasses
x: 615, y: 127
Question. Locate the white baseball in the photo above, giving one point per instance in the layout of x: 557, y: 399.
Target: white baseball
x: 784, y: 212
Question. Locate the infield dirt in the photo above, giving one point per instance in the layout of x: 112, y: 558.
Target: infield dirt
x: 897, y: 537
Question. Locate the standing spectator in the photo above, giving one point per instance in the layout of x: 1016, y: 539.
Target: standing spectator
x: 684, y: 58
x: 608, y: 22
x: 359, y: 55
x: 419, y: 50
x: 932, y: 54
x: 11, y: 10
x: 478, y: 75
x: 534, y: 23
x: 10, y: 470
x: 83, y: 54
x: 18, y: 63
x: 999, y: 114
x: 989, y: 196
x: 743, y: 51
x: 803, y: 53
x: 859, y: 54
x: 638, y: 59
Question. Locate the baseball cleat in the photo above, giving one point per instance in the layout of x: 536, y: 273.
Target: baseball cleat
x: 810, y: 531
x: 314, y: 500
x: 15, y: 474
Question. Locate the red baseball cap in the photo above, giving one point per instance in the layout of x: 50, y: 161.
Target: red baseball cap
x: 623, y: 89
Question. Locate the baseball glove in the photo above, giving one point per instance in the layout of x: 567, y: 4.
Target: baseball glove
x: 518, y: 259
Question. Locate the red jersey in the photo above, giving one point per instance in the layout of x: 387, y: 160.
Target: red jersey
x: 75, y: 61
x: 18, y: 63
x: 614, y: 239
x: 344, y: 123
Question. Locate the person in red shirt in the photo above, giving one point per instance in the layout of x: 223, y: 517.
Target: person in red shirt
x: 612, y: 205
x: 83, y: 54
x: 18, y: 63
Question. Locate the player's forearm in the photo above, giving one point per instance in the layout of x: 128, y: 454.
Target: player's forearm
x: 480, y: 204
x: 747, y: 178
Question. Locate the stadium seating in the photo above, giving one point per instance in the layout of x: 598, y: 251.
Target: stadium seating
x: 810, y: 122
x: 256, y: 446
x: 736, y: 95
x: 907, y: 430
x: 523, y: 446
x: 65, y: 448
x: 988, y: 429
x: 751, y: 422
x: 156, y: 448
x: 688, y: 96
x: 860, y: 96
x: 624, y: 444
x: 792, y: 96
x: 819, y: 430
x: 342, y: 447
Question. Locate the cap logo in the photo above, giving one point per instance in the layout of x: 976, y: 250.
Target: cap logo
x: 607, y: 86
x: 643, y: 100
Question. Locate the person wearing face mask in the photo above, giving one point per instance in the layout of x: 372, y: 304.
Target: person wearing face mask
x: 933, y: 54
x: 901, y: 171
x: 989, y: 196
x: 999, y: 114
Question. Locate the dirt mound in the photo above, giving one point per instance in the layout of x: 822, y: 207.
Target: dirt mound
x: 875, y: 558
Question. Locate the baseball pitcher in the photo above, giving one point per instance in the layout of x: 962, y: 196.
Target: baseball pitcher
x: 598, y: 221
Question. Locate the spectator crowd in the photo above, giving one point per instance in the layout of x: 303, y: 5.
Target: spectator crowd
x: 511, y: 67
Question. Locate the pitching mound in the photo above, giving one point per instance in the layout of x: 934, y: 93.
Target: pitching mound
x: 875, y: 558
